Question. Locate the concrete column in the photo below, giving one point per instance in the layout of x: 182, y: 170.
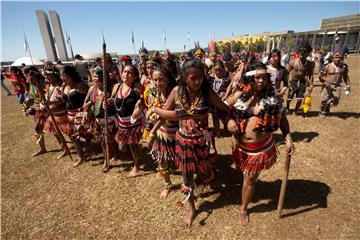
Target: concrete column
x: 323, y: 40
x: 279, y: 42
x: 268, y: 42
x: 273, y: 43
x: 358, y: 43
x: 313, y: 42
x: 346, y: 38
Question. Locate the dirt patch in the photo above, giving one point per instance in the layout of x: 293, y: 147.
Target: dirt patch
x: 44, y: 198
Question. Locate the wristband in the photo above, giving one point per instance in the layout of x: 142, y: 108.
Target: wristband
x: 288, y: 137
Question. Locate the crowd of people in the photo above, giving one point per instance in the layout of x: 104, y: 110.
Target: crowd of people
x: 165, y: 101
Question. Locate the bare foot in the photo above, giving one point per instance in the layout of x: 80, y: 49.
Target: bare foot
x: 78, y: 162
x: 62, y: 154
x: 159, y: 176
x: 112, y: 160
x: 244, y: 218
x: 40, y: 151
x: 165, y: 193
x: 134, y: 172
x: 189, y: 218
x: 104, y: 168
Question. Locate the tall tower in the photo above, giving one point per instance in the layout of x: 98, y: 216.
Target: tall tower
x: 58, y: 35
x: 46, y: 35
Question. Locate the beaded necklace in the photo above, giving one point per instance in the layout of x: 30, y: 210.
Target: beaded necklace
x: 193, y: 106
x: 120, y: 96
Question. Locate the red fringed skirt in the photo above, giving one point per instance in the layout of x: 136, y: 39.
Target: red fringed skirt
x: 40, y: 118
x: 128, y: 132
x: 77, y: 119
x: 163, y: 149
x: 61, y: 120
x: 98, y: 126
x: 254, y: 157
x: 194, y: 153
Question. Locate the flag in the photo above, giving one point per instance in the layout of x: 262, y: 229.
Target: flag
x: 164, y: 35
x: 26, y: 45
x: 132, y: 37
x: 67, y: 38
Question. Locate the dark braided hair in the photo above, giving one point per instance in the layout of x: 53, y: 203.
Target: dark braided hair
x: 206, y: 87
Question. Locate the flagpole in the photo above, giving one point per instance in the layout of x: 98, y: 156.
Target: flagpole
x: 133, y: 41
x: 28, y: 48
x: 189, y: 40
x: 164, y: 34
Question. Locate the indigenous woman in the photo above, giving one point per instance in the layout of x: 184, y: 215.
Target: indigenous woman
x: 94, y: 103
x: 37, y: 83
x: 112, y: 69
x: 57, y: 105
x: 150, y: 93
x: 258, y: 112
x: 278, y: 73
x: 194, y: 146
x: 74, y: 92
x: 126, y: 96
x: 163, y: 133
x: 18, y: 81
x: 220, y: 80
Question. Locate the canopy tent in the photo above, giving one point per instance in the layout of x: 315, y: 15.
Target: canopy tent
x: 27, y: 61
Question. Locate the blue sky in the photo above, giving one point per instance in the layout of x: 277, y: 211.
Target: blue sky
x: 84, y: 21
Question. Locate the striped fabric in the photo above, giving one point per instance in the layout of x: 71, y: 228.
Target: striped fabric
x: 257, y: 156
x: 128, y: 132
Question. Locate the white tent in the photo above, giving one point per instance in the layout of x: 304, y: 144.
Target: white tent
x: 27, y: 61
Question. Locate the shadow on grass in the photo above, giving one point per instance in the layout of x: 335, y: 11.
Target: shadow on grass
x: 342, y: 115
x: 296, y: 137
x: 301, y: 195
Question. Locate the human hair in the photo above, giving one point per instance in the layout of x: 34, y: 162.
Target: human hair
x: 26, y: 70
x: 136, y: 72
x: 98, y: 60
x: 277, y: 52
x: 219, y: 64
x: 72, y: 73
x: 14, y: 69
x: 171, y: 66
x: 100, y: 74
x: 164, y: 70
x: 53, y: 71
x: 192, y: 64
x: 37, y: 78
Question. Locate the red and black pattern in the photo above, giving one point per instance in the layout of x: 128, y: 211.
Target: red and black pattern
x: 164, y: 146
x: 128, y: 132
x: 97, y: 129
x: 76, y: 118
x: 256, y: 157
x: 40, y: 118
x: 194, y: 153
x: 61, y: 120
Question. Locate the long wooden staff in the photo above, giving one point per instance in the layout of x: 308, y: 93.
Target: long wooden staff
x: 106, y: 130
x: 283, y: 185
x: 62, y: 140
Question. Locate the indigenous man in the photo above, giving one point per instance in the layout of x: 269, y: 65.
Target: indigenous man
x: 331, y: 77
x: 300, y: 75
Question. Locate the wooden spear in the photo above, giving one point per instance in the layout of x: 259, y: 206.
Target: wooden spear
x: 283, y: 185
x: 106, y: 129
